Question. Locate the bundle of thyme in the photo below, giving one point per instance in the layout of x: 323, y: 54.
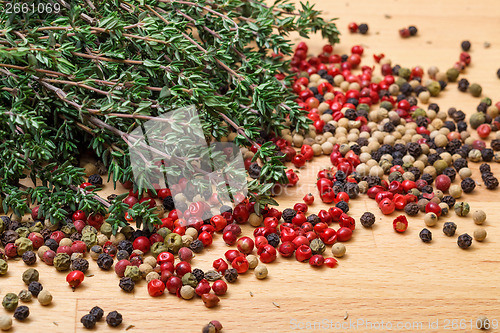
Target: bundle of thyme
x: 87, y: 76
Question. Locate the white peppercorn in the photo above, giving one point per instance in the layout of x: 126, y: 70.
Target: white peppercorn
x: 261, y: 271
x: 480, y: 234
x: 479, y: 217
x: 5, y: 322
x: 338, y: 250
x: 44, y: 297
x: 430, y: 219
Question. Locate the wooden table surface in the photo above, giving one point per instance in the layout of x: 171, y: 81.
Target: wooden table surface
x: 385, y: 278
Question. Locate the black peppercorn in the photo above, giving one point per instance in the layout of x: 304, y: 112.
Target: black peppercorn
x: 462, y: 126
x: 460, y: 163
x: 344, y: 57
x: 487, y: 154
x: 52, y: 244
x: 464, y: 241
x: 428, y: 178
x: 88, y: 321
x: 412, y: 209
x: 343, y: 205
x: 29, y: 258
x: 196, y: 246
x: 363, y: 28
x: 449, y: 228
x: 22, y: 312
x: 426, y: 235
x: 465, y: 45
x: 114, y: 319
x: 35, y: 287
x: 413, y: 30
x: 105, y: 261
x: 350, y: 114
x: 483, y: 168
x: 288, y: 214
x: 468, y: 185
x: 449, y: 200
x: 231, y: 275
x: 414, y: 149
x: 254, y: 170
x: 273, y: 239
x: 168, y: 203
x: 127, y: 284
x: 80, y: 264
x: 95, y: 180
x: 367, y: 219
x: 352, y: 190
x: 198, y: 274
x: 458, y: 116
x: 313, y: 219
x: 329, y: 128
x: 495, y: 144
x: 125, y: 245
x: 489, y: 180
x: 463, y: 85
x: 372, y: 180
x: 97, y: 312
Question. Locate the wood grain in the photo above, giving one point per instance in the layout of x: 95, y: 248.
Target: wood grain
x: 385, y: 276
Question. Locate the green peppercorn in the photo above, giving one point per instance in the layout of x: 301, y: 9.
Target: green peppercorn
x: 190, y: 280
x: 475, y: 90
x: 158, y: 248
x: 37, y: 227
x: 62, y: 262
x: 452, y: 74
x: 89, y: 229
x: 89, y: 238
x: 4, y: 267
x: 464, y: 241
x: 10, y: 301
x: 106, y: 229
x: 23, y: 245
x: 477, y: 119
x: 23, y: 232
x: 30, y: 275
x: 2, y: 223
x: 405, y: 73
x: 68, y: 229
x: 163, y: 232
x: 173, y: 242
x: 434, y: 88
x: 25, y: 295
x: 386, y: 105
x: 133, y: 272
x: 462, y: 208
x: 261, y: 272
x: 440, y: 165
x: 317, y: 246
x: 419, y: 112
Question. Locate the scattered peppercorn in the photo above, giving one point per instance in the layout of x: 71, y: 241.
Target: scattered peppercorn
x: 35, y: 288
x: 338, y: 250
x: 114, y: 319
x: 105, y: 261
x: 411, y: 209
x: 425, y: 235
x: 464, y: 241
x: 468, y: 185
x: 25, y: 295
x: 95, y: 180
x: 198, y: 274
x: 449, y: 228
x: 210, y: 300
x: 261, y: 272
x: 465, y: 45
x: 44, y: 297
x: 97, y: 312
x: 363, y: 28
x: 367, y: 219
x: 480, y: 234
x: 479, y: 217
x: 5, y: 322
x: 413, y: 30
x: 80, y: 264
x: 231, y: 275
x: 88, y: 321
x: 10, y: 301
x: 127, y: 284
x: 462, y: 208
x: 22, y: 312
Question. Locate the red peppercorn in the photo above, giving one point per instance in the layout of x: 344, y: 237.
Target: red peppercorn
x: 286, y: 249
x: 229, y: 238
x: 218, y: 222
x: 271, y: 222
x: 387, y: 206
x: 219, y: 287
x: 316, y: 260
x: 203, y: 287
x: 328, y: 196
x: 292, y: 177
x: 156, y: 287
x: 344, y: 234
x: 167, y: 266
x: 64, y: 249
x: 400, y: 223
x: 220, y: 265
x: 353, y: 27
x: 245, y: 245
x: 79, y: 215
x: 121, y: 266
x: 260, y: 241
x: 232, y: 254
x: 303, y: 253
x: 240, y: 214
x: 174, y: 284
x: 142, y: 243
x: 331, y: 262
x: 240, y: 264
x: 299, y: 161
x: 443, y: 182
x: 57, y: 236
x: 299, y: 219
x: 206, y: 238
x: 325, y: 217
x: 182, y: 268
x: 484, y: 131
x: 329, y: 236
x: 85, y: 185
x: 165, y: 257
x: 433, y: 207
x: 75, y: 278
x: 347, y: 221
x: 357, y: 49
x: 399, y: 201
x: 267, y: 253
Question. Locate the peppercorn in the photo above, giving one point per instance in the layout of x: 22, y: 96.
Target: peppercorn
x: 475, y: 90
x: 10, y: 301
x: 133, y: 272
x: 35, y: 288
x: 479, y: 217
x: 288, y: 214
x: 187, y: 292
x: 462, y: 208
x: 196, y: 246
x: 411, y: 209
x: 465, y: 45
x: 468, y: 185
x: 4, y: 267
x: 487, y: 154
x: 89, y: 238
x: 338, y: 250
x: 254, y: 170
x: 231, y: 275
x: 261, y: 272
x: 317, y: 246
x: 422, y: 203
x: 212, y: 275
x: 95, y: 180
x: 413, y: 30
x: 430, y: 219
x: 97, y: 312
x: 105, y: 261
x: 452, y: 74
x: 22, y: 312
x: 114, y: 319
x: 198, y: 274
x: 80, y: 264
x: 253, y: 261
x: 88, y: 321
x: 210, y: 300
x: 127, y: 284
x: 25, y: 295
x: 62, y: 262
x: 425, y: 235
x: 463, y: 85
x: 30, y: 275
x: 125, y: 245
x: 480, y: 234
x: 464, y: 241
x: 168, y: 203
x: 490, y: 181
x: 190, y: 280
